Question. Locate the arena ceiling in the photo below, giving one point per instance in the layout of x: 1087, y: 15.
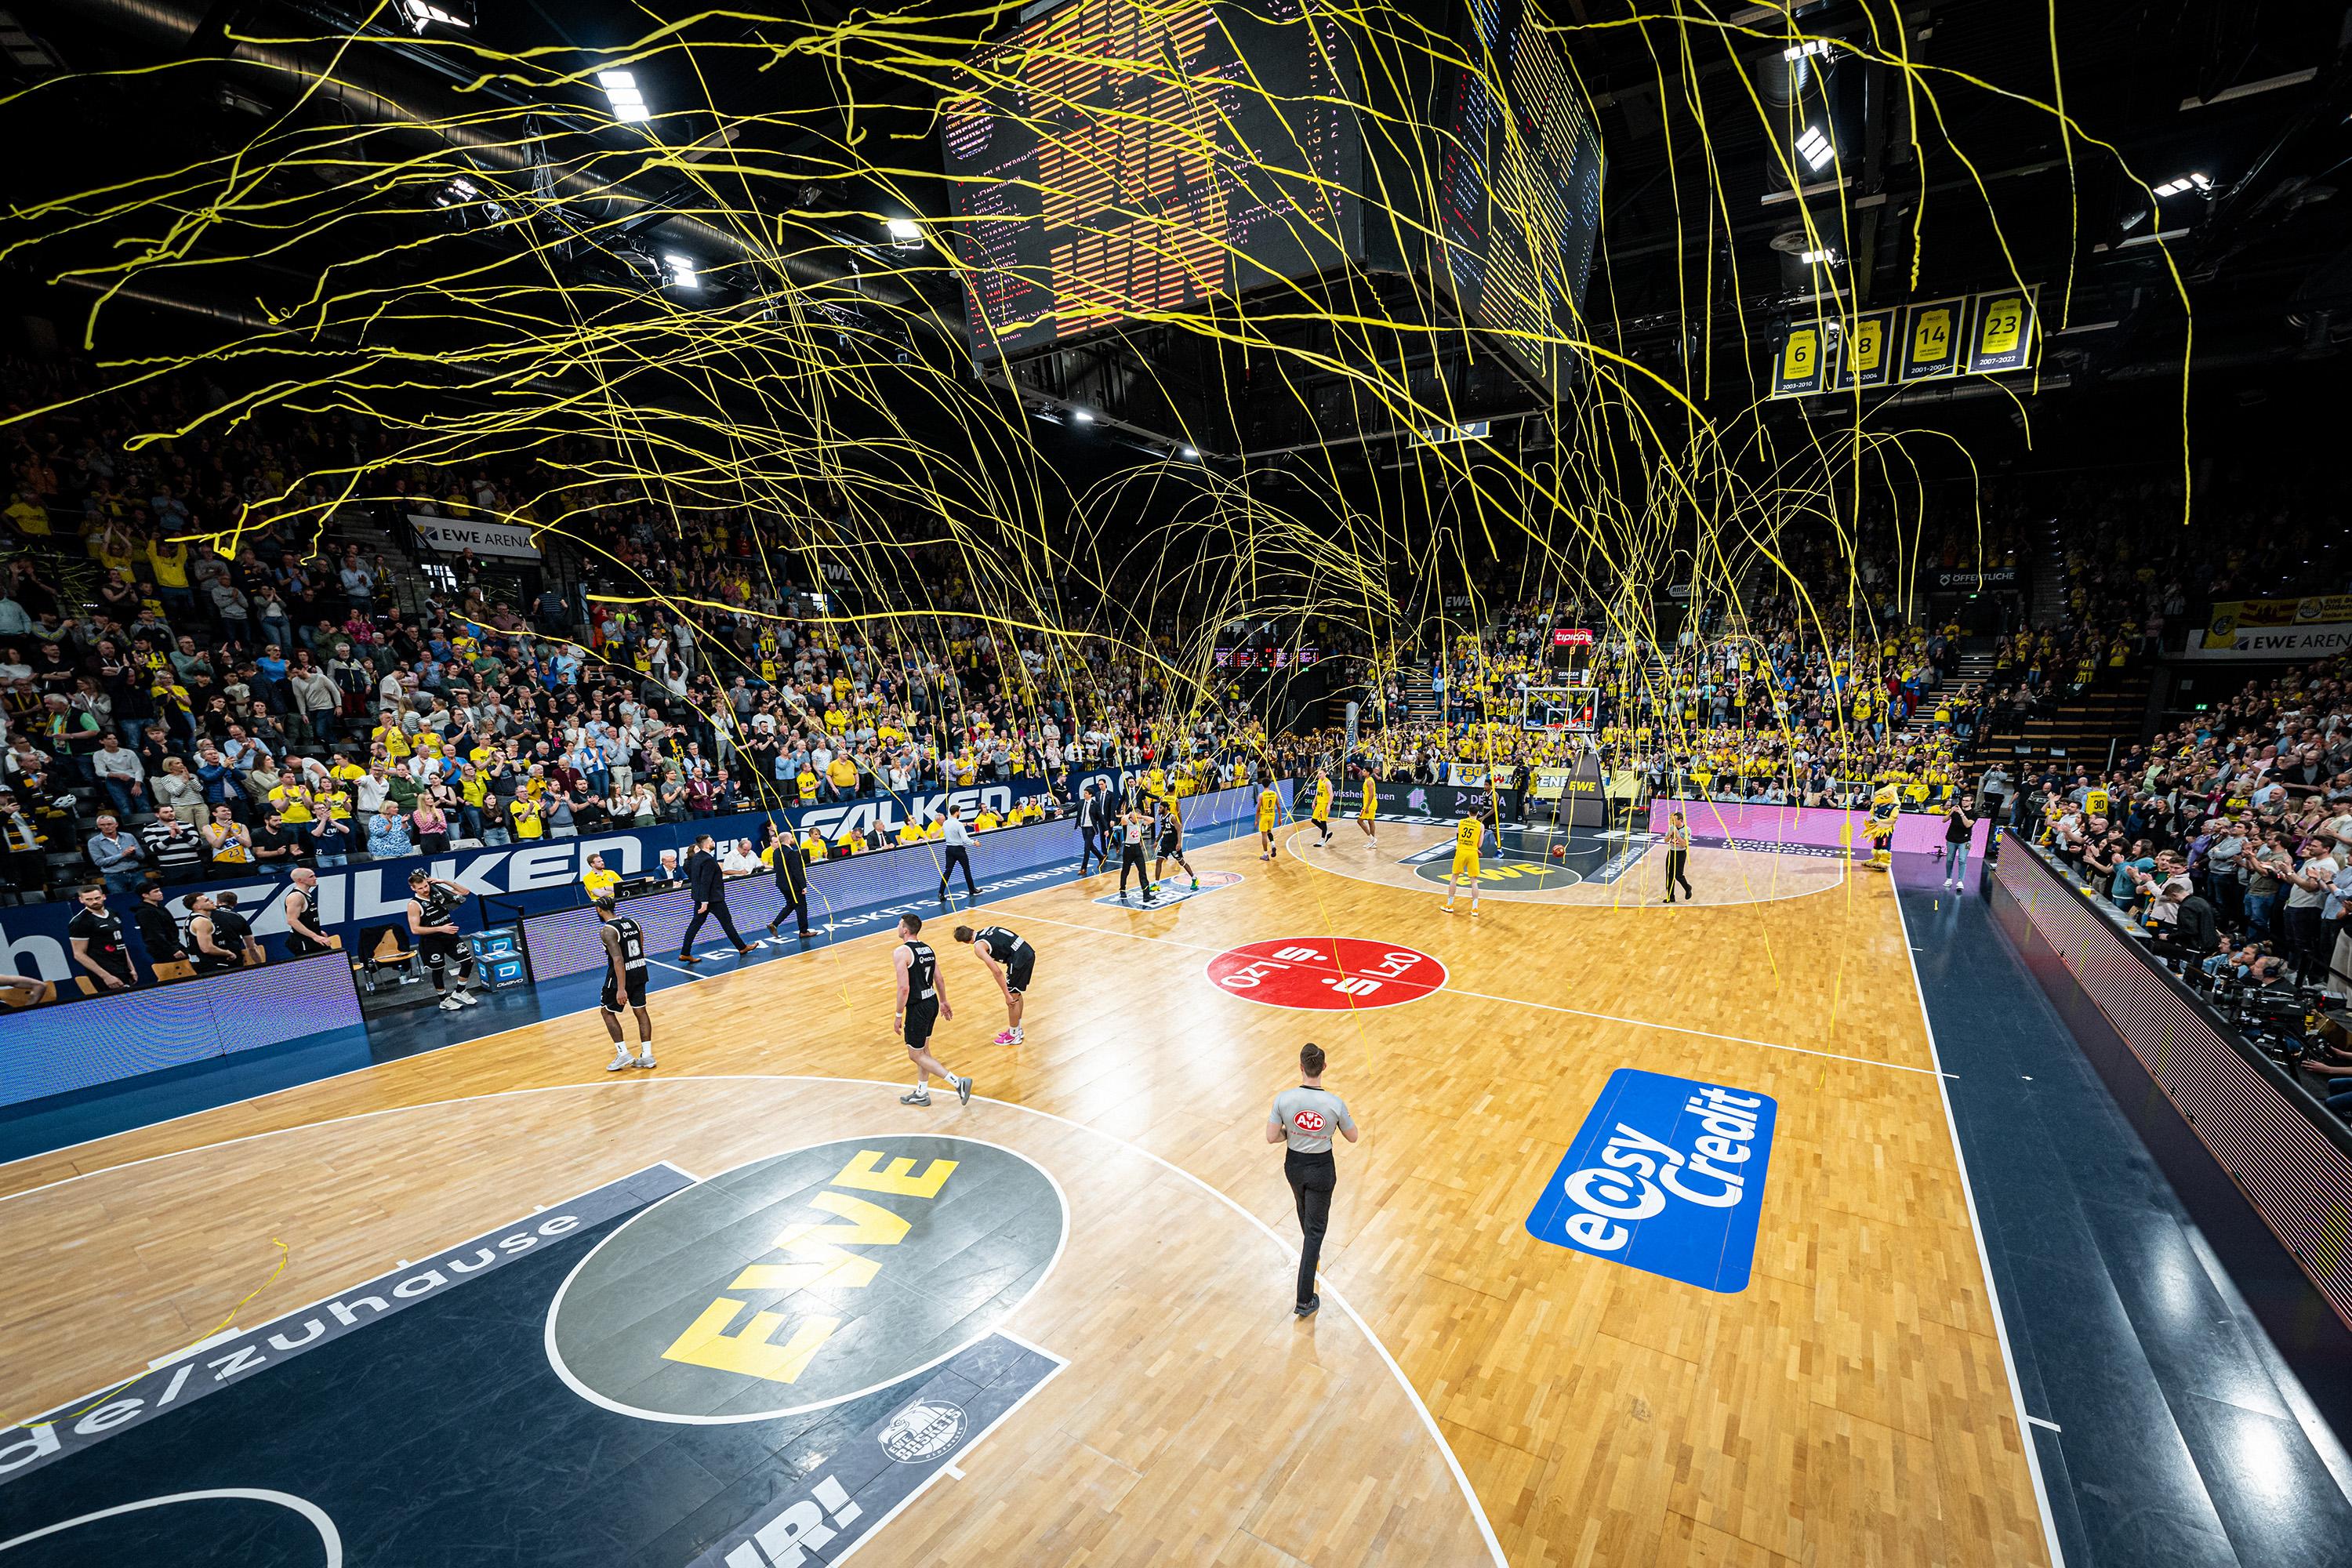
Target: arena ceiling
x: 1701, y: 232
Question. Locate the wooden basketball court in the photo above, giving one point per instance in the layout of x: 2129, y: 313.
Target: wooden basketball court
x: 1468, y: 1394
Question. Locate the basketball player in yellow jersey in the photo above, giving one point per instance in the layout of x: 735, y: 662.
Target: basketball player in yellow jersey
x: 1364, y: 813
x: 1469, y: 834
x: 1323, y: 806
x: 1269, y: 808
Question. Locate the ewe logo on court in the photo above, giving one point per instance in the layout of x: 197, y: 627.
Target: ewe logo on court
x: 1519, y: 875
x: 1667, y: 1176
x: 1326, y: 973
x: 807, y: 1278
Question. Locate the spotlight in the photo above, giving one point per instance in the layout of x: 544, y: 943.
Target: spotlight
x: 906, y: 234
x: 2173, y: 187
x: 1814, y: 146
x: 1810, y: 46
x: 460, y: 189
x: 1818, y: 257
x: 1190, y: 454
x: 621, y: 88
x: 677, y: 271
x: 423, y: 13
x: 1081, y: 416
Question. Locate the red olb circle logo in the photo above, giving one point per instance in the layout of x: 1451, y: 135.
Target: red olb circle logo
x: 1326, y: 973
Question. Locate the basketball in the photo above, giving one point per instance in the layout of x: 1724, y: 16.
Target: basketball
x: 1560, y: 851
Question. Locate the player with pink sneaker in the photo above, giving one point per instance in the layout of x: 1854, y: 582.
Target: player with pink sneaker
x: 1010, y: 960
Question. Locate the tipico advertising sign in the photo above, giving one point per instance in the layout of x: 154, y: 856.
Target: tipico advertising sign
x: 1667, y: 1176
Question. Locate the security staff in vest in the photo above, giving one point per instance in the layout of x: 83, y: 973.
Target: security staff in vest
x: 303, y: 936
x: 1305, y: 1117
x: 624, y: 976
x: 1094, y: 816
x: 956, y: 839
x: 790, y: 867
x: 706, y: 886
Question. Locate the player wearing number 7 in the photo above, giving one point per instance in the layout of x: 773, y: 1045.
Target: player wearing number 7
x: 1469, y: 834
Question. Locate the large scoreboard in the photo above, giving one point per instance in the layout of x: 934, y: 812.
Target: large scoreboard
x: 1518, y: 185
x: 1111, y: 161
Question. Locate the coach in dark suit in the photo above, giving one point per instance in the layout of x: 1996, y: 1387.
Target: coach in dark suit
x: 1093, y: 816
x: 707, y: 887
x: 792, y: 879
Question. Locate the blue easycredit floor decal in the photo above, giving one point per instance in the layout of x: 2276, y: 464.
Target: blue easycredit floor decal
x: 1666, y: 1176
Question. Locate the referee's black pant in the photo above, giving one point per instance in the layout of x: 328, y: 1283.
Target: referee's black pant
x: 715, y: 910
x: 1674, y: 877
x: 1131, y: 858
x: 957, y: 855
x: 1312, y: 1178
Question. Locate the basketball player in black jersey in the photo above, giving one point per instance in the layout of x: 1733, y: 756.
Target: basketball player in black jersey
x: 1010, y: 961
x: 1168, y: 830
x: 624, y: 975
x: 922, y: 1002
x: 434, y: 924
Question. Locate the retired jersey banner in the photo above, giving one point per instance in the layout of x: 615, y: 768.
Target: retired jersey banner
x: 1867, y: 352
x: 2004, y: 333
x: 1796, y: 359
x: 1667, y: 1176
x: 1931, y: 339
x: 2310, y: 627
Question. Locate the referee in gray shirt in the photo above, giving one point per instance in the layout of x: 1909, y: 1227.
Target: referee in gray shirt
x: 1306, y: 1116
x: 956, y: 838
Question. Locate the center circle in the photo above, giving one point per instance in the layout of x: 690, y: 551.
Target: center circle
x: 1326, y: 973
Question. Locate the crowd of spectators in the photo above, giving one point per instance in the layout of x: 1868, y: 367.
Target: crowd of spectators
x: 170, y: 713
x: 2230, y: 835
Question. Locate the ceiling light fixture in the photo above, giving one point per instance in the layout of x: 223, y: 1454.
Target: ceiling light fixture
x: 2174, y: 187
x: 629, y: 104
x: 678, y: 271
x: 1082, y: 417
x: 1810, y: 46
x: 1191, y: 455
x: 906, y: 234
x: 423, y: 13
x: 1824, y: 255
x: 1814, y: 146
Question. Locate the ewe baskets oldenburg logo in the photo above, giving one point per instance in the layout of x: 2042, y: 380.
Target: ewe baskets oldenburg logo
x: 805, y: 1279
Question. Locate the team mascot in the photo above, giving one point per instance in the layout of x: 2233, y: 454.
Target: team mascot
x: 1884, y: 807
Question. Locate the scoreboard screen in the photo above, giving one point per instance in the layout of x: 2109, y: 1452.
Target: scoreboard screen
x: 1112, y: 160
x: 1519, y: 185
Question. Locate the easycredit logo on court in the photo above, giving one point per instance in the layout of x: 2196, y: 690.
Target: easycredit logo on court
x: 1666, y: 1176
